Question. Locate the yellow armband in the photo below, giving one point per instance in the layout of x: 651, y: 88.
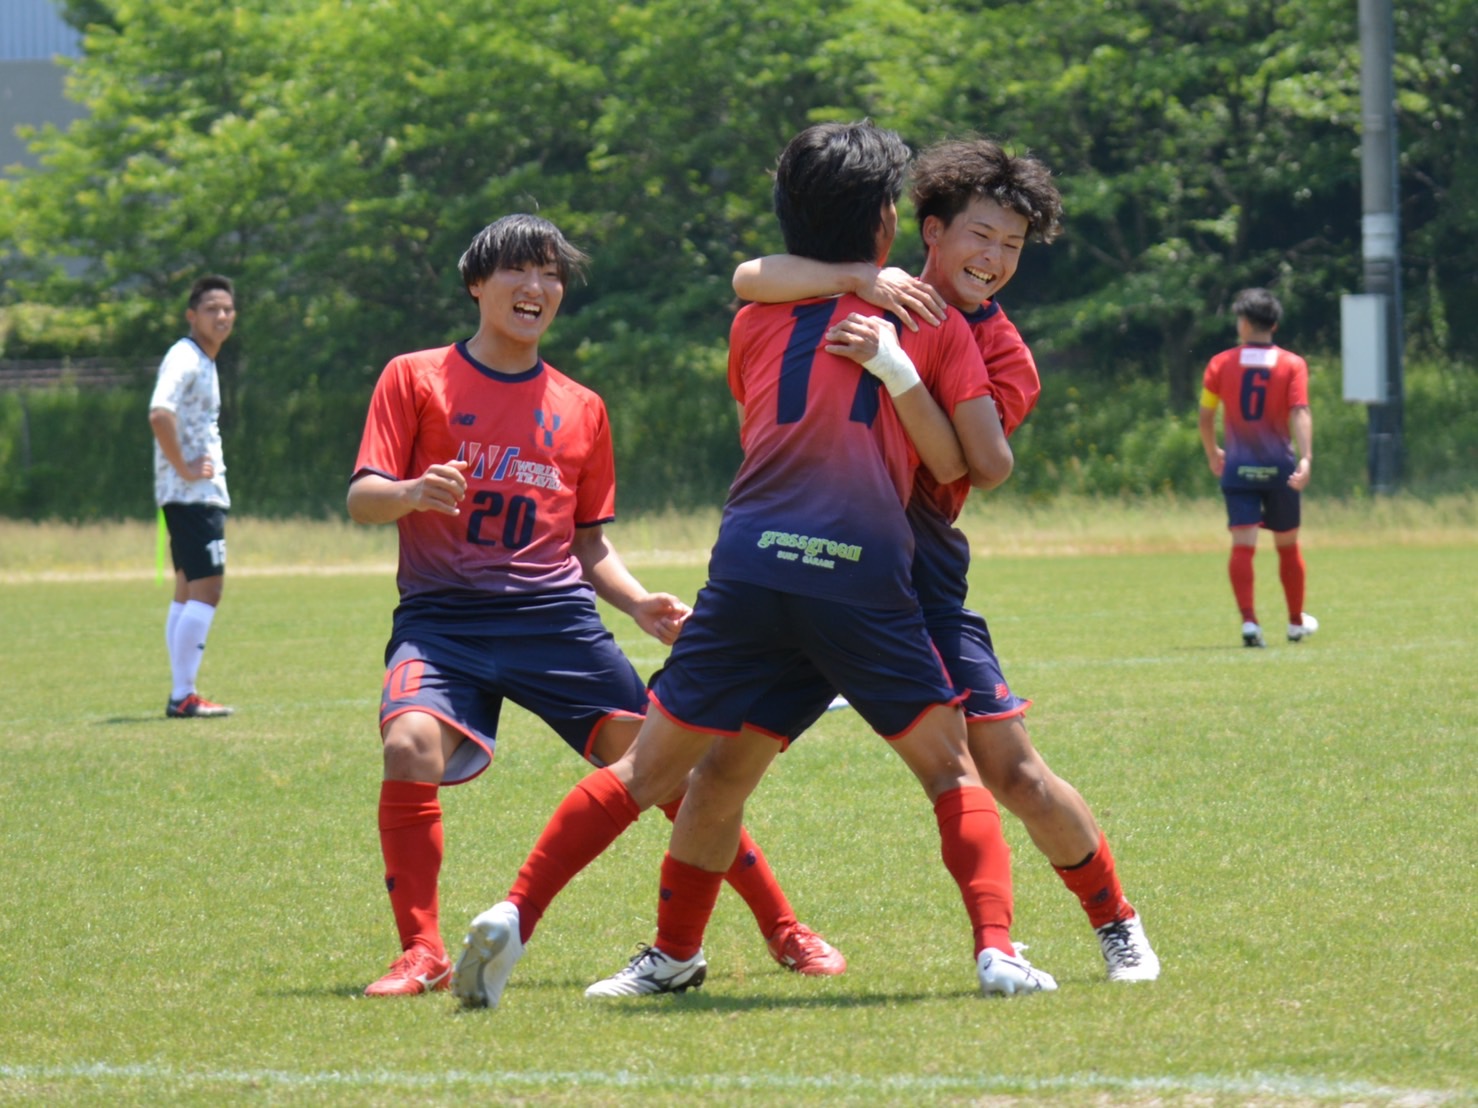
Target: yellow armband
x: 1209, y: 399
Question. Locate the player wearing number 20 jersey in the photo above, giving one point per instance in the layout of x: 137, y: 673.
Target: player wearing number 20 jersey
x: 539, y: 464
x: 497, y: 470
x: 537, y: 449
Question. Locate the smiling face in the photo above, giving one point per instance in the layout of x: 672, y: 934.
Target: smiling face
x: 212, y: 319
x: 976, y: 254
x: 516, y: 305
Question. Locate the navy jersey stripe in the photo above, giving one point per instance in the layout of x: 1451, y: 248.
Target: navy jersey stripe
x: 811, y: 322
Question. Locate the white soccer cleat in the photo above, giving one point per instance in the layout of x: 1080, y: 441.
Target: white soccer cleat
x: 1127, y: 951
x: 1004, y: 975
x: 491, y: 949
x: 651, y: 971
x: 1297, y: 632
x: 1252, y: 634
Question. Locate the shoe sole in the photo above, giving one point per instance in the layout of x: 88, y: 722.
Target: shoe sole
x: 1140, y: 973
x: 1015, y: 988
x: 484, y: 950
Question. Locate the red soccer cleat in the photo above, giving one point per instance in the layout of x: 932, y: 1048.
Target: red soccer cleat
x: 798, y: 948
x: 414, y: 972
x: 195, y: 707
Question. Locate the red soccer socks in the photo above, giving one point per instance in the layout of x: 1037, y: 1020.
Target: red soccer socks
x: 1239, y: 569
x: 977, y: 857
x: 1291, y: 573
x: 684, y: 906
x: 751, y: 877
x: 411, y: 842
x: 1095, y: 882
x: 590, y: 818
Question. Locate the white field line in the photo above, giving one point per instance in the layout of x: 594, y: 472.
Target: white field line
x: 1258, y: 1085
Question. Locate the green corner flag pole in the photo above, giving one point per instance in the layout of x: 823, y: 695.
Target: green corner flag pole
x: 161, y: 539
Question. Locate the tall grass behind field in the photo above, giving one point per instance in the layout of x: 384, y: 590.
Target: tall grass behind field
x: 192, y: 908
x: 996, y: 525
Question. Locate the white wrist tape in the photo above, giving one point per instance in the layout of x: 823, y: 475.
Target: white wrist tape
x: 891, y: 365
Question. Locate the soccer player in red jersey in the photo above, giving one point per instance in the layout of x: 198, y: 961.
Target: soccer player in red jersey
x: 498, y: 471
x: 1266, y: 393
x: 809, y: 575
x: 977, y: 207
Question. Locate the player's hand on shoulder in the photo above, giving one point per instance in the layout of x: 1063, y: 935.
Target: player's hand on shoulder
x: 898, y: 291
x: 661, y: 615
x: 441, y: 488
x: 872, y: 341
x: 858, y: 337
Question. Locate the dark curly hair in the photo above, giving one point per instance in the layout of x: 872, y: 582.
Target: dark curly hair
x: 949, y: 175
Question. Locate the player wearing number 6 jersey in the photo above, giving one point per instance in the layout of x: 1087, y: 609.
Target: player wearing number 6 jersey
x: 498, y: 471
x: 1265, y: 393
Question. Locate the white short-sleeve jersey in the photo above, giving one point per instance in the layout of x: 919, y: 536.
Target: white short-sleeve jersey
x: 189, y: 387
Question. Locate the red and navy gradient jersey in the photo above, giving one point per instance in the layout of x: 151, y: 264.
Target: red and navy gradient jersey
x: 817, y: 507
x: 941, y: 551
x: 1258, y: 384
x: 539, y: 448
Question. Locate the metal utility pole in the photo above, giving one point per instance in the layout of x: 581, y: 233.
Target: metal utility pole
x: 1381, y: 231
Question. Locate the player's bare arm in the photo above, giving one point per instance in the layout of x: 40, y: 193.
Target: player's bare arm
x: 1215, y: 457
x: 781, y: 277
x: 376, y: 499
x: 659, y: 614
x: 1301, y: 424
x: 988, y: 455
x: 871, y: 342
x: 166, y: 427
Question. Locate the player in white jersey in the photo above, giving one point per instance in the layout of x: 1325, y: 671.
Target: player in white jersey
x: 190, y: 486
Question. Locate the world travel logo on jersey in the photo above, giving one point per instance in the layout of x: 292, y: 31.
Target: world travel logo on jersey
x: 499, y: 463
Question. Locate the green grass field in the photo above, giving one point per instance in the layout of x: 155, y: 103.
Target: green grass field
x: 190, y: 909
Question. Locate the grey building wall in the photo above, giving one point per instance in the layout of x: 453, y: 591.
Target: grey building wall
x: 32, y: 36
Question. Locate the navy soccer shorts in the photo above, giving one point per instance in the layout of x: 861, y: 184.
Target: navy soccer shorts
x: 573, y: 678
x: 1274, y: 509
x: 963, y: 641
x: 744, y: 642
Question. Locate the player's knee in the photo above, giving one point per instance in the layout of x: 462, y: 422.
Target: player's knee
x: 411, y: 754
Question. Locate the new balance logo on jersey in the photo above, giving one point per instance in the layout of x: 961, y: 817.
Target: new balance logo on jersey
x: 464, y: 419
